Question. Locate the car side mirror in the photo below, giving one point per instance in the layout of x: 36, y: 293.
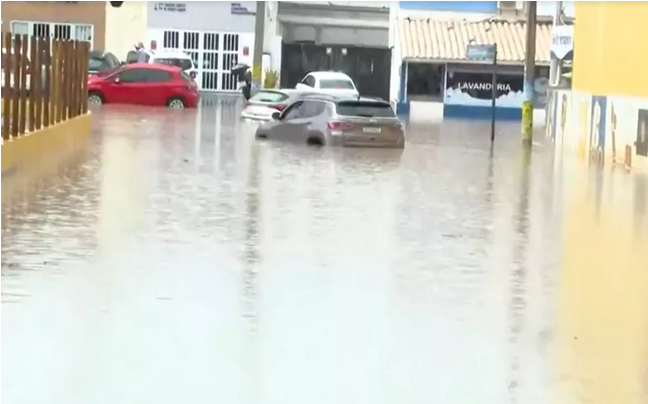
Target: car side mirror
x: 276, y: 116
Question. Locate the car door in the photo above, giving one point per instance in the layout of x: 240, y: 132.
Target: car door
x: 284, y: 128
x: 300, y: 125
x: 157, y: 87
x: 128, y: 87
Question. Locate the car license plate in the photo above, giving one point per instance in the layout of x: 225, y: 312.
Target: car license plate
x: 371, y: 130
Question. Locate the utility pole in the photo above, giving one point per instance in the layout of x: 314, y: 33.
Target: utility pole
x: 259, y: 34
x: 553, y: 67
x: 529, y: 74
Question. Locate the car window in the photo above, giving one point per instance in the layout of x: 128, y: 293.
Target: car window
x: 158, y: 76
x: 365, y: 109
x: 133, y: 76
x: 112, y: 59
x: 309, y: 81
x: 344, y: 84
x: 184, y: 64
x: 98, y: 63
x: 293, y: 111
x: 132, y: 57
x: 311, y: 109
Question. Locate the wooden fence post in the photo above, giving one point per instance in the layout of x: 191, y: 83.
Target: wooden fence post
x: 32, y: 85
x: 24, y: 91
x: 47, y: 96
x: 84, y: 90
x: 7, y: 91
x: 15, y: 83
x: 74, y: 83
x: 38, y: 85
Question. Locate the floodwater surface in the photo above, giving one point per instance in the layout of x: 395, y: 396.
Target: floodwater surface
x: 181, y: 261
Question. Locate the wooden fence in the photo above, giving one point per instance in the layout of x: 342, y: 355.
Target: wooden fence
x: 44, y: 82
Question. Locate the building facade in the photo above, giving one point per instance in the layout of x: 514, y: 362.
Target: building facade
x: 604, y: 117
x: 78, y: 20
x: 429, y: 62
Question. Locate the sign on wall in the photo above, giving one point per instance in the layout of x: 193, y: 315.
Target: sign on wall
x: 475, y: 89
x: 241, y: 9
x: 173, y: 7
x: 562, y: 42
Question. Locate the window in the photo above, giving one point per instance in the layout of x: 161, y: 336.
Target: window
x: 132, y: 57
x: 269, y: 96
x: 133, y: 76
x: 311, y: 109
x: 365, y: 109
x: 158, y: 76
x: 343, y: 84
x: 96, y: 64
x: 184, y: 64
x: 293, y: 111
x: 309, y: 81
x: 112, y: 59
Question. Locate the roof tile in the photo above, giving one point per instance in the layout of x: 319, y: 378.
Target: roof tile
x: 425, y: 39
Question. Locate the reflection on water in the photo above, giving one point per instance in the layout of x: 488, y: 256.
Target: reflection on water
x: 183, y: 261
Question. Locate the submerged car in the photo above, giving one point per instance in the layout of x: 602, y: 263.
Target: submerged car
x: 266, y: 102
x: 336, y: 121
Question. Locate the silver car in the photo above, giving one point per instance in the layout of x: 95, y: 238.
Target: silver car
x: 336, y: 121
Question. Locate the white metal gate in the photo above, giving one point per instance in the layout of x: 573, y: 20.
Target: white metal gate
x: 213, y: 53
x: 79, y: 32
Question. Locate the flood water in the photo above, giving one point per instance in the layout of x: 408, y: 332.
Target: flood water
x: 182, y: 261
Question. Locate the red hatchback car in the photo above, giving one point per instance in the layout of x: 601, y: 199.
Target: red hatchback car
x: 144, y: 84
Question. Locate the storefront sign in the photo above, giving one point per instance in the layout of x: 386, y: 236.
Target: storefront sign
x: 464, y: 88
x: 174, y: 7
x: 562, y: 42
x: 480, y: 52
x: 240, y: 9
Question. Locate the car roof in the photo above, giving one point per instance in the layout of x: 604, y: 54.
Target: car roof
x: 154, y: 66
x: 329, y: 75
x: 342, y: 98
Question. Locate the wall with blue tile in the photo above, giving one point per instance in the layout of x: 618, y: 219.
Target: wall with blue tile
x: 457, y: 6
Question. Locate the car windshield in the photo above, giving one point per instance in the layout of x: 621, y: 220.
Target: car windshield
x: 184, y: 64
x: 269, y: 96
x: 343, y: 84
x: 97, y: 63
x: 365, y: 109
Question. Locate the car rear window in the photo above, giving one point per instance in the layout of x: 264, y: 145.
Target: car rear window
x: 269, y: 96
x: 184, y: 64
x: 97, y: 63
x: 365, y: 109
x: 342, y: 84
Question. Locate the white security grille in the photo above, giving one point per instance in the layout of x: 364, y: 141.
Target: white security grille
x: 79, y: 32
x: 213, y: 53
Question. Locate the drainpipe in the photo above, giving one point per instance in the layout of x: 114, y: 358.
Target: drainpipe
x: 529, y: 74
x: 259, y: 35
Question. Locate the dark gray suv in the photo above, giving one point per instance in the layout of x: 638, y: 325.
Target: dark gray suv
x: 336, y: 121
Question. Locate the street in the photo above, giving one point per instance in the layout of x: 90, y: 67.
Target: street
x: 181, y: 261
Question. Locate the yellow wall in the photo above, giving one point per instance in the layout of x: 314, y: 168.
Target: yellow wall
x: 611, y: 48
x: 32, y: 158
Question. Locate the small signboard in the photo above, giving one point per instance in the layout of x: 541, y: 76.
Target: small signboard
x: 480, y: 52
x: 173, y: 7
x: 240, y: 9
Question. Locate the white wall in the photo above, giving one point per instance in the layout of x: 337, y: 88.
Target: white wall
x: 125, y: 26
x: 214, y: 16
x: 394, y: 81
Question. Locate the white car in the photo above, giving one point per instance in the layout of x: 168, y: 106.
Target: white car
x: 333, y: 83
x: 170, y: 57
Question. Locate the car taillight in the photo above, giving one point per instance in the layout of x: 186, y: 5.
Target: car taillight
x: 278, y: 107
x: 337, y: 125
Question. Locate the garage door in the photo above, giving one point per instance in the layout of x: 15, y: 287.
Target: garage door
x: 213, y: 53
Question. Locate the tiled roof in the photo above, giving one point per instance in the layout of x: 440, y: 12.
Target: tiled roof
x: 429, y: 39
